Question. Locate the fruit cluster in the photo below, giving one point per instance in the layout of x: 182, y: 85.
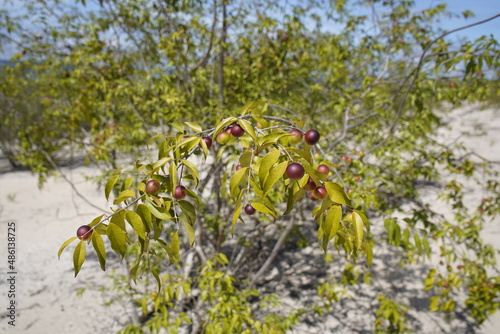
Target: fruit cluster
x: 276, y: 158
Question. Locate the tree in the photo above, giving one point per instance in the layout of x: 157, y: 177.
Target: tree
x: 120, y: 71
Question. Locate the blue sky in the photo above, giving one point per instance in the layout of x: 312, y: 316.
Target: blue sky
x: 481, y: 8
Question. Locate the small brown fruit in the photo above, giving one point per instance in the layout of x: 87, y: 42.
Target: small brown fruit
x: 295, y: 171
x: 153, y: 187
x: 180, y: 192
x: 84, y: 232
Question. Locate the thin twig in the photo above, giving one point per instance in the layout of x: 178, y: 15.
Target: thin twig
x: 72, y: 185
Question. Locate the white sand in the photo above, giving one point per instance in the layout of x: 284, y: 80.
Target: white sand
x: 45, y: 287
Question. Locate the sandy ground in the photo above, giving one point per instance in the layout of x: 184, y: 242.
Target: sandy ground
x: 45, y: 290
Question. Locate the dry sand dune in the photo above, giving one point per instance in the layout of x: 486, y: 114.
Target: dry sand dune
x: 44, y: 218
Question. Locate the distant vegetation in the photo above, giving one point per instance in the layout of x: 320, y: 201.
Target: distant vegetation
x: 233, y: 84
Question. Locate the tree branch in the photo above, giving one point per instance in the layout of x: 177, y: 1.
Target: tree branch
x: 415, y: 77
x: 274, y: 253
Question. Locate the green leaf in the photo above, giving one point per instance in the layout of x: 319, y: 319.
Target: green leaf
x: 188, y: 210
x: 189, y: 231
x: 118, y: 238
x: 127, y: 183
x: 236, y: 215
x: 194, y: 126
x: 271, y: 139
x: 222, y: 125
x: 337, y: 194
x: 235, y: 181
x: 79, y: 256
x: 312, y: 173
x: 143, y: 211
x: 331, y: 224
x: 133, y: 270
x: 189, y: 144
x: 275, y: 174
x: 158, y: 212
x: 267, y: 163
x: 64, y: 245
x: 168, y: 249
x: 306, y: 155
x: 204, y: 147
x: 264, y: 209
x: 157, y: 278
x: 157, y: 228
x: 154, y: 138
x: 369, y: 253
x: 246, y: 158
x: 358, y: 229
x: 96, y: 221
x: 294, y: 194
x: 261, y: 120
x: 161, y: 162
x: 136, y: 222
x: 119, y: 219
x: 178, y: 126
x: 363, y: 217
x: 250, y: 106
x: 100, y: 250
x: 109, y: 185
x: 172, y: 170
x: 192, y: 170
x: 175, y: 244
x: 248, y: 128
x: 124, y: 195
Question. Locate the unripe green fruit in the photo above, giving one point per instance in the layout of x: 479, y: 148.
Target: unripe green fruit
x: 296, y: 136
x: 223, y: 138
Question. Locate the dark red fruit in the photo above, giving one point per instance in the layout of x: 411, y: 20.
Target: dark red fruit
x: 153, y: 187
x: 312, y: 137
x: 84, y: 232
x: 180, y: 192
x: 320, y: 193
x: 346, y: 158
x: 208, y: 141
x: 237, y: 130
x: 311, y: 195
x: 310, y: 185
x: 296, y: 136
x: 249, y: 209
x: 323, y: 169
x: 238, y: 167
x: 295, y: 171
